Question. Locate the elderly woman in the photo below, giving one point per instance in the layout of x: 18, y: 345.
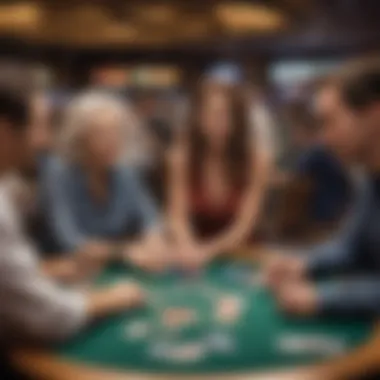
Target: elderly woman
x: 94, y: 202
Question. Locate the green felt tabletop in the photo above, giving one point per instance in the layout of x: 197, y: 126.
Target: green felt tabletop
x: 261, y: 337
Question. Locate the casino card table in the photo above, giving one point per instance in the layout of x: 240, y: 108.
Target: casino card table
x: 220, y: 321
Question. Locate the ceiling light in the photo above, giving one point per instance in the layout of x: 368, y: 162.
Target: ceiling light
x: 19, y: 16
x: 242, y: 17
x: 156, y: 13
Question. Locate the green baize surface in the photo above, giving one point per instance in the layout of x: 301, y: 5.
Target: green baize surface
x: 260, y: 338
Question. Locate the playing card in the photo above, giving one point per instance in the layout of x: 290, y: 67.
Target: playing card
x: 137, y: 330
x: 310, y: 345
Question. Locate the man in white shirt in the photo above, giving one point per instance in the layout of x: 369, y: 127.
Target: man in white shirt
x: 31, y: 305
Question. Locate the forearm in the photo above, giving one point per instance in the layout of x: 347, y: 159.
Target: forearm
x: 235, y: 237
x: 100, y: 304
x: 243, y: 226
x: 251, y: 204
x: 180, y: 228
x: 361, y: 297
x: 61, y: 269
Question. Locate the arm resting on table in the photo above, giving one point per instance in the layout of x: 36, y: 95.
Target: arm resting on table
x: 358, y: 297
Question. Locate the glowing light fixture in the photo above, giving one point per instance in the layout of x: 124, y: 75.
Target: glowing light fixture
x: 157, y: 13
x: 245, y: 17
x: 19, y: 16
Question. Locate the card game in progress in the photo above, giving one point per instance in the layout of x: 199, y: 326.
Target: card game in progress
x: 220, y: 320
x: 189, y: 190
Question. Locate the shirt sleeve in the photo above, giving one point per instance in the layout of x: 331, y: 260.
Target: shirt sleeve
x: 59, y: 206
x: 30, y: 303
x: 356, y: 298
x: 340, y: 252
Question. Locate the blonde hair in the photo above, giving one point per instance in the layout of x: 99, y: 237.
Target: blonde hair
x: 81, y: 110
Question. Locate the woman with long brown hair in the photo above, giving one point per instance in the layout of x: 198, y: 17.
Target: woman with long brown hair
x: 218, y: 174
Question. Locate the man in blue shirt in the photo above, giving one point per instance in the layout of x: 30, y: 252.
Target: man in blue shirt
x: 349, y: 110
x: 330, y: 185
x: 318, y: 188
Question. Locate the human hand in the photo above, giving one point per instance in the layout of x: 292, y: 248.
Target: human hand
x: 98, y: 251
x: 278, y: 269
x: 91, y: 258
x: 298, y: 298
x: 116, y: 298
x: 147, y: 257
x: 193, y: 256
x: 126, y: 294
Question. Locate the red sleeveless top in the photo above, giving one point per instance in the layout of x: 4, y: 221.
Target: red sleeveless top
x: 210, y: 218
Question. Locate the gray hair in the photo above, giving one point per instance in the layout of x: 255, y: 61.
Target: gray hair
x: 83, y: 109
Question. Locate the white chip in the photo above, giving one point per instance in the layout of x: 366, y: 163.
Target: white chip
x: 229, y: 309
x: 186, y: 353
x: 190, y: 352
x: 221, y: 343
x: 137, y: 330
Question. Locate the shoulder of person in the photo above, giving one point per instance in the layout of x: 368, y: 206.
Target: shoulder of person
x: 315, y: 157
x: 57, y: 168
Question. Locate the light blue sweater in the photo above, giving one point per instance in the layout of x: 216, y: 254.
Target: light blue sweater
x: 73, y: 216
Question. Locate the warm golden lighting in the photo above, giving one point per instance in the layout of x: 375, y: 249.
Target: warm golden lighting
x: 118, y: 32
x: 19, y: 16
x: 156, y: 13
x: 194, y: 29
x: 244, y: 17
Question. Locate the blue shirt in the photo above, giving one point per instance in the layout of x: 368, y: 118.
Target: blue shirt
x: 356, y: 249
x: 330, y: 183
x: 73, y: 216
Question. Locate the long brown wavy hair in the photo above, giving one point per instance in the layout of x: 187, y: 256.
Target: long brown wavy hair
x: 238, y: 145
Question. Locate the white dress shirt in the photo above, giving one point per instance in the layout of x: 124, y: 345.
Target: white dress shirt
x: 31, y: 305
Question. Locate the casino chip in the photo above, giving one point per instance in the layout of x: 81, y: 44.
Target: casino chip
x: 229, y: 309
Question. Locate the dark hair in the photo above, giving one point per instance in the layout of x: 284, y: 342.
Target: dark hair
x: 237, y: 148
x: 14, y: 108
x: 359, y: 83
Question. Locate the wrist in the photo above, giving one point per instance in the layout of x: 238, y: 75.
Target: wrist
x: 210, y: 250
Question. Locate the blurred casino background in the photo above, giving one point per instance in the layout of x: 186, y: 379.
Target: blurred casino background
x: 151, y: 51
x: 164, y: 45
